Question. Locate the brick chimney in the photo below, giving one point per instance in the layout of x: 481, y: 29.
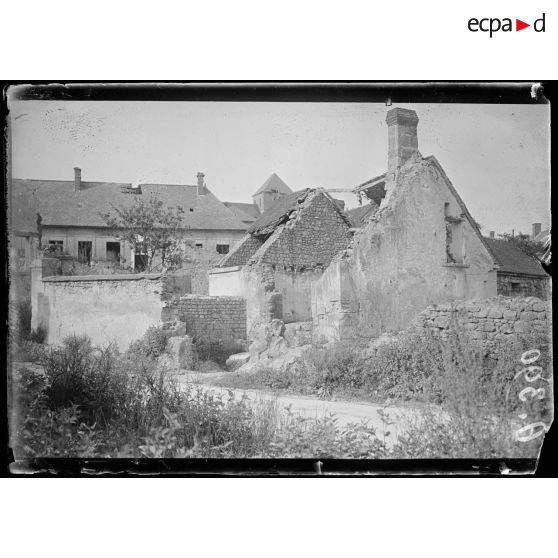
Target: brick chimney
x: 77, y: 179
x: 536, y: 229
x: 402, y: 136
x: 491, y: 234
x: 201, y: 184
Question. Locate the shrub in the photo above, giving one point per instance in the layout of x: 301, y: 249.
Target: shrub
x: 401, y: 368
x: 38, y: 335
x: 79, y: 375
x: 152, y: 344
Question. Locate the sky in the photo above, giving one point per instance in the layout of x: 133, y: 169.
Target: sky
x: 497, y: 156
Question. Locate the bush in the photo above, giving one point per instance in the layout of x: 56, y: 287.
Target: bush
x: 400, y: 369
x: 97, y: 403
x: 152, y: 344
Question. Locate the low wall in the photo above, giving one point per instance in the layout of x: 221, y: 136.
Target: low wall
x: 493, y: 320
x: 107, y: 308
x: 212, y: 318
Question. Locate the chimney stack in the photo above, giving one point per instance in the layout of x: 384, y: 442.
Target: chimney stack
x: 201, y: 184
x: 402, y: 136
x: 77, y: 179
x: 536, y: 229
x: 491, y: 234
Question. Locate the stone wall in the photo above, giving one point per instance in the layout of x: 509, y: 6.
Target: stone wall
x: 210, y: 318
x: 493, y: 320
x: 510, y: 284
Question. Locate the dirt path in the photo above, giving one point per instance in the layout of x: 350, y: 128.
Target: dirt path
x: 345, y: 411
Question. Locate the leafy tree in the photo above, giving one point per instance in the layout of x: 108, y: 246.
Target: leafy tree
x: 525, y: 243
x: 151, y: 228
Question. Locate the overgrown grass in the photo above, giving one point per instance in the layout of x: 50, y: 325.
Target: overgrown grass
x: 92, y: 402
x: 470, y: 401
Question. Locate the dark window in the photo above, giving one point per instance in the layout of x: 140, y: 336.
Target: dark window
x: 199, y: 245
x: 113, y: 251
x: 191, y: 209
x: 56, y: 246
x: 222, y: 248
x: 85, y: 248
x: 516, y: 288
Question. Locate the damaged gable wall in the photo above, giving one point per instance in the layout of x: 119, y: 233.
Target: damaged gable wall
x: 398, y: 263
x: 314, y: 234
x: 276, y: 281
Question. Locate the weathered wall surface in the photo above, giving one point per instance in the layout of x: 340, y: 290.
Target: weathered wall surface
x: 398, y: 262
x: 20, y: 285
x: 209, y: 318
x: 226, y: 281
x: 295, y: 290
x: 281, y: 293
x: 510, y: 284
x: 117, y: 308
x: 493, y: 320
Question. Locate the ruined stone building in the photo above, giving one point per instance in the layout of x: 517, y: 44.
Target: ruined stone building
x: 71, y: 221
x: 284, y: 251
x: 410, y: 244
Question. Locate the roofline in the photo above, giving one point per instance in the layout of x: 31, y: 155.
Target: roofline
x: 122, y: 228
x: 542, y: 275
x: 432, y: 159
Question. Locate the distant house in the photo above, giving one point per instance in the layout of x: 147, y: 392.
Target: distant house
x: 71, y: 222
x: 272, y: 190
x: 518, y: 274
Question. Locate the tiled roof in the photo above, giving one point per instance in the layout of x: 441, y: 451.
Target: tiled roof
x: 512, y: 259
x: 246, y: 212
x: 358, y: 215
x: 278, y: 213
x: 273, y: 184
x: 60, y: 205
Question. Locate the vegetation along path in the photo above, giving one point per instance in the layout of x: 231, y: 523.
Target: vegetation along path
x: 385, y: 419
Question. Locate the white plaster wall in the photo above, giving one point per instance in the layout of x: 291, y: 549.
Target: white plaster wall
x: 225, y: 282
x: 118, y: 310
x: 398, y: 263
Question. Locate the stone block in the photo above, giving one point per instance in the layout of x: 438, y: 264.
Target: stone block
x: 236, y: 361
x: 495, y: 313
x: 510, y: 314
x: 529, y: 316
